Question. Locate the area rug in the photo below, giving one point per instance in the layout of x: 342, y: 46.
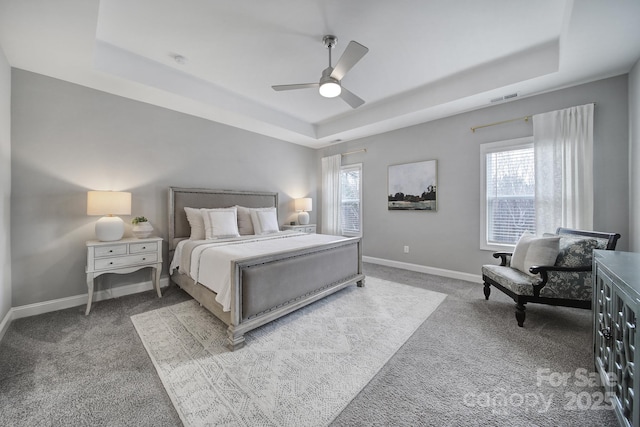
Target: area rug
x: 302, y: 369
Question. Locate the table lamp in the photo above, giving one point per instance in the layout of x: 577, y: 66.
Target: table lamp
x: 303, y: 206
x: 109, y: 203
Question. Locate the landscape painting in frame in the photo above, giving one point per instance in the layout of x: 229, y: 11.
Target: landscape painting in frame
x: 412, y: 186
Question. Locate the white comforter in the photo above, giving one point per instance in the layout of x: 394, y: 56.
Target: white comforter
x: 208, y: 261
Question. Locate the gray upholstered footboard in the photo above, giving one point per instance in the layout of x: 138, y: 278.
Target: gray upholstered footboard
x: 271, y: 286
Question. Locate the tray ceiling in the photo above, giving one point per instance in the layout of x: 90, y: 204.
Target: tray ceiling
x: 426, y: 60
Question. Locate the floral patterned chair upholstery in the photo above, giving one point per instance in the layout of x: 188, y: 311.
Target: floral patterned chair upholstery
x: 567, y: 283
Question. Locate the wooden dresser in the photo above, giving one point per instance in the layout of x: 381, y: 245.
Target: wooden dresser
x: 616, y: 304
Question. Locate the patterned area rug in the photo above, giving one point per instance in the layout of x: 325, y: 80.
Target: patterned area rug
x: 302, y: 369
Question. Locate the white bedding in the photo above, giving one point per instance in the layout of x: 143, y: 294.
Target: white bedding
x: 208, y: 261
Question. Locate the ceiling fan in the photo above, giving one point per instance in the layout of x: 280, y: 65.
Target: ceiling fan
x: 330, y: 85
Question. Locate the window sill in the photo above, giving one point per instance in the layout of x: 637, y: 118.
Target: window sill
x: 497, y: 247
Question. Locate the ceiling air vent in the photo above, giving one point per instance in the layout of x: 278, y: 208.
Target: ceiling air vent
x: 504, y: 98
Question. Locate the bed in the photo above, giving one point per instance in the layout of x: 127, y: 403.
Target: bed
x: 266, y: 285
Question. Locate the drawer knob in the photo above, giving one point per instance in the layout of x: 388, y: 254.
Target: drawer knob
x: 606, y: 333
x: 111, y: 263
x: 144, y: 259
x: 110, y: 250
x: 144, y: 247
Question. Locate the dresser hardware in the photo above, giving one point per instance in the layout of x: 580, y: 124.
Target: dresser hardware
x: 606, y: 333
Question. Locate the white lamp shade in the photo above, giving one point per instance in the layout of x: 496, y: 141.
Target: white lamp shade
x: 108, y: 203
x: 304, y: 204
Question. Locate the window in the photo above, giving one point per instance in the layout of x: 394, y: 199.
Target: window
x: 350, y: 199
x: 508, y: 192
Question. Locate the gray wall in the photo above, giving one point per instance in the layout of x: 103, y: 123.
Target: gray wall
x: 450, y: 238
x: 5, y: 185
x: 67, y: 139
x: 634, y: 158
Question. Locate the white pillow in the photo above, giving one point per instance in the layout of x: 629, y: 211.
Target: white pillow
x: 520, y: 251
x: 245, y: 224
x: 196, y: 222
x: 220, y: 223
x: 531, y: 250
x: 542, y: 251
x: 265, y: 220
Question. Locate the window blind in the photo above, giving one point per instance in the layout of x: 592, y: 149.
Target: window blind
x: 350, y: 200
x: 510, y: 194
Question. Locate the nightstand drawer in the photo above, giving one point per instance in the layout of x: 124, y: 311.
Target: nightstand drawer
x: 136, y: 248
x: 116, y: 262
x: 102, y: 251
x: 307, y: 228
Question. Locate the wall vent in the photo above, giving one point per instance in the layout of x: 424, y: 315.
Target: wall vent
x: 504, y: 98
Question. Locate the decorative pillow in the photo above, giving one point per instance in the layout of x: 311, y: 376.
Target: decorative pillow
x: 194, y: 216
x: 576, y: 251
x: 220, y: 223
x: 265, y: 220
x: 534, y: 251
x: 245, y: 225
x: 542, y: 251
x: 520, y: 251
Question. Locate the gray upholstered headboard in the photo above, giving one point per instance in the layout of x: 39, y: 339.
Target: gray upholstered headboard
x: 179, y: 198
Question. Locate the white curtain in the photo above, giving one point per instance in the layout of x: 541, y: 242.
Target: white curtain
x: 563, y: 147
x: 331, y: 194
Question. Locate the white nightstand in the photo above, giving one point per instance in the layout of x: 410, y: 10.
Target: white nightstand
x: 121, y: 257
x: 309, y: 228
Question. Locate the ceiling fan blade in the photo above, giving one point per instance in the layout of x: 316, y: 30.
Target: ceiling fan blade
x: 352, y: 54
x: 297, y: 86
x: 350, y: 98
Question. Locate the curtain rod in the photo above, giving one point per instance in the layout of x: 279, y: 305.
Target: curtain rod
x: 525, y: 118
x: 364, y: 150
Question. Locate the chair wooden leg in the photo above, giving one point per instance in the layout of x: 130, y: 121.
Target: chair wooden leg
x: 520, y: 314
x: 487, y: 290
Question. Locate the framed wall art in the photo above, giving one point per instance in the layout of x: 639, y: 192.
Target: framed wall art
x: 412, y: 186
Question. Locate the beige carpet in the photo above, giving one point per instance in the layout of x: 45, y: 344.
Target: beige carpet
x: 303, y: 369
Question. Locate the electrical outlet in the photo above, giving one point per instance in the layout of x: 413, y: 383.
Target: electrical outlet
x: 406, y: 249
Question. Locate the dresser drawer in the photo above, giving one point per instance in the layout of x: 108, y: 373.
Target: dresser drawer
x: 136, y: 248
x: 111, y: 250
x: 116, y: 262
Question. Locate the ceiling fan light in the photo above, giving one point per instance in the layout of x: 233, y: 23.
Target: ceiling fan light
x: 330, y: 89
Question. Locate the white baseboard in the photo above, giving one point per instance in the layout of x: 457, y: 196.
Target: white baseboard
x: 4, y: 325
x: 476, y: 278
x: 63, y: 303
x: 120, y: 291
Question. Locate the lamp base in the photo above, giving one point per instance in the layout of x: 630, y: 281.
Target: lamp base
x: 303, y: 218
x: 109, y: 228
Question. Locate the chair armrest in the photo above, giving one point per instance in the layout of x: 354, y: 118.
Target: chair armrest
x: 544, y: 270
x: 503, y: 257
